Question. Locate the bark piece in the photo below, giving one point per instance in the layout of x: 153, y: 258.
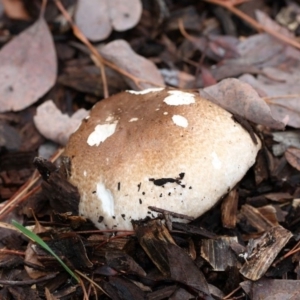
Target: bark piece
x: 170, y: 259
x: 229, y: 209
x: 62, y: 195
x: 263, y: 251
x: 255, y: 218
x: 218, y: 253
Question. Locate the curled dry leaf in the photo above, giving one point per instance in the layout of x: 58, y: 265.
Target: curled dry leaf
x: 292, y: 155
x: 27, y: 67
x: 62, y: 126
x: 97, y: 18
x: 121, y: 54
x: 241, y: 99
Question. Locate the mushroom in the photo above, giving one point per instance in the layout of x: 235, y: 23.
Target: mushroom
x: 158, y: 147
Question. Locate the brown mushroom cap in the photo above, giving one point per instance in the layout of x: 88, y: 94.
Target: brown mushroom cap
x: 158, y: 147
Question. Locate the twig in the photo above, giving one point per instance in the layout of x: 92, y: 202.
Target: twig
x: 230, y: 6
x: 92, y: 282
x: 81, y: 37
x: 291, y: 252
x: 270, y: 98
x: 94, y: 52
x: 171, y: 213
x: 231, y: 293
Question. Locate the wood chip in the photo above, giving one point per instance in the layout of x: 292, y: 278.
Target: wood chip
x: 263, y: 252
x: 218, y: 253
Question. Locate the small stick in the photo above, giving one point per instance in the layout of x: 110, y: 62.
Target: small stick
x: 173, y: 214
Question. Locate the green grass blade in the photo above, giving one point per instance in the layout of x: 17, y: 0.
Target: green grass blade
x: 35, y: 238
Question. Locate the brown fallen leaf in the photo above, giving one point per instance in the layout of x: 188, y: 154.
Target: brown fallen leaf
x: 27, y: 67
x: 49, y: 295
x: 241, y: 99
x: 121, y: 54
x: 292, y: 155
x: 97, y: 18
x: 31, y: 257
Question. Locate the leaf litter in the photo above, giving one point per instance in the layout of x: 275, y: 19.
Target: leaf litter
x: 253, y: 233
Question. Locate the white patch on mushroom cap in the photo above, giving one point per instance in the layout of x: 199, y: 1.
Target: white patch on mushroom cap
x: 101, y: 133
x: 179, y: 98
x: 106, y: 198
x: 84, y: 173
x: 146, y: 91
x: 165, y: 113
x: 180, y: 121
x: 217, y: 164
x: 109, y: 119
x: 133, y: 119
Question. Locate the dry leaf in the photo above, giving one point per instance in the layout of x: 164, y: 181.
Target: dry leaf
x: 124, y: 16
x: 62, y: 126
x: 31, y: 257
x: 292, y: 155
x: 121, y: 54
x: 93, y: 20
x: 241, y: 99
x: 97, y: 18
x: 49, y: 295
x: 27, y: 67
x: 15, y: 9
x: 284, y: 107
x: 267, y: 22
x: 283, y: 95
